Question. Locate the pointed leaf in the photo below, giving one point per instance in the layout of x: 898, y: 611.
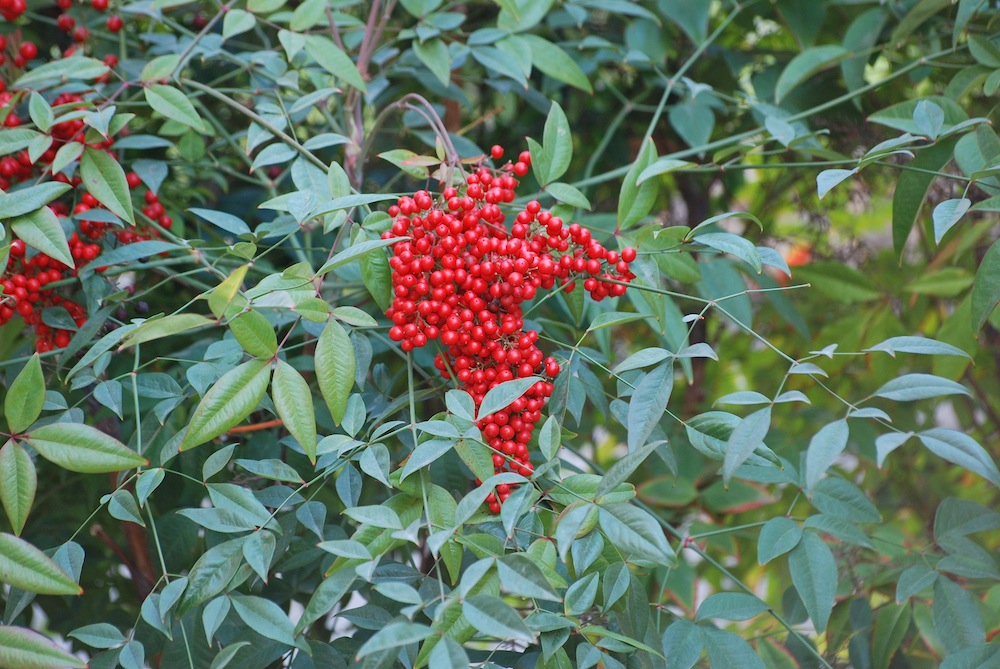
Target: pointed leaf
x: 255, y: 334
x: 947, y: 214
x: 174, y: 105
x: 41, y: 230
x: 961, y: 449
x: 828, y: 179
x: 293, y: 401
x: 105, y: 179
x: 228, y: 402
x: 502, y: 395
x: 635, y: 532
x: 805, y: 65
x: 265, y: 617
x: 986, y: 289
x: 814, y: 574
x: 27, y: 649
x: 635, y: 200
x: 18, y: 483
x: 82, y: 448
x: 25, y: 397
x: 824, y: 448
x: 24, y: 566
x: 911, y: 387
x: 395, y: 634
x: 778, y: 536
x: 648, y: 403
x: 332, y: 59
x: 335, y: 368
x: 731, y: 606
x: 494, y: 618
x: 747, y: 437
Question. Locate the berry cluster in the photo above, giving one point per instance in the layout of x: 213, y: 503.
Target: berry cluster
x: 80, y: 33
x: 11, y: 9
x: 461, y: 277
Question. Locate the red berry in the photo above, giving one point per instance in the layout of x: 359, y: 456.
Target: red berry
x: 99, y: 5
x: 496, y: 152
x: 115, y: 23
x: 66, y: 23
x: 628, y: 254
x: 28, y: 50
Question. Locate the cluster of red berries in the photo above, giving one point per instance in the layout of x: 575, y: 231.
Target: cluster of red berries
x: 67, y: 23
x: 461, y: 277
x: 11, y: 9
x: 20, y: 53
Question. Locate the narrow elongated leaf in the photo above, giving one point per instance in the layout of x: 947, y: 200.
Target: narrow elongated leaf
x: 82, y: 448
x: 494, y: 618
x: 355, y: 252
x: 734, y: 245
x: 634, y: 531
x: 255, y: 334
x: 728, y: 649
x: 805, y: 65
x: 747, y: 437
x: 961, y: 449
x: 426, y: 453
x: 912, y: 187
x: 556, y: 63
x: 174, y: 105
x: 105, y: 180
x: 25, y: 397
x: 814, y: 574
x: 221, y: 219
x: 335, y: 368
x: 18, y: 483
x: 986, y: 289
x: 41, y: 230
x: 919, y: 345
x: 395, y: 634
x: 99, y: 635
x: 621, y: 470
x: 165, y: 327
x: 502, y: 395
x: 522, y: 577
x: 828, y: 179
x: 26, y: 649
x: 648, y: 403
x: 265, y: 617
x: 824, y: 448
x: 731, y: 606
x: 634, y: 199
x: 956, y: 616
x: 683, y: 644
x: 332, y: 59
x: 27, y: 200
x: 913, y: 580
x: 228, y: 402
x: 434, y: 54
x: 661, y: 166
x: 24, y: 566
x: 293, y: 400
x: 911, y: 387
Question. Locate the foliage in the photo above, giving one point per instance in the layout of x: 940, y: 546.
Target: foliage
x: 741, y: 464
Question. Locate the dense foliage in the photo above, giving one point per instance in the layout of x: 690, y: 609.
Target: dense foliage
x: 430, y: 333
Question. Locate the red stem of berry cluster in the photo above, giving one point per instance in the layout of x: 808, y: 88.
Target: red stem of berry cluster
x: 461, y: 277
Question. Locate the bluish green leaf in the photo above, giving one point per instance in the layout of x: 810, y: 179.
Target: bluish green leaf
x: 824, y: 449
x: 746, y: 437
x: 731, y: 606
x: 777, y: 536
x: 911, y: 387
x: 805, y: 65
x: 814, y: 574
x: 961, y: 449
x: 494, y: 618
x: 648, y: 403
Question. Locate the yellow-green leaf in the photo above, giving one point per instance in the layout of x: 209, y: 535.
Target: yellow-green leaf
x: 104, y: 178
x: 293, y: 400
x: 24, y: 566
x: 335, y: 367
x: 82, y: 448
x: 24, y: 400
x: 18, y: 482
x: 228, y: 402
x: 22, y: 648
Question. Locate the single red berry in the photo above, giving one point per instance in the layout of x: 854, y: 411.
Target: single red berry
x: 496, y: 152
x: 28, y: 50
x: 64, y: 4
x: 81, y: 34
x: 99, y: 5
x: 115, y: 23
x: 628, y: 254
x: 66, y: 23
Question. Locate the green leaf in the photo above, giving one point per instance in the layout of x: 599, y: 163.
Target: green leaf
x: 986, y: 289
x: 635, y: 200
x: 375, y: 516
x: 522, y: 577
x: 635, y: 532
x: 553, y: 61
x: 502, y: 395
x: 18, y: 483
x: 24, y: 566
x: 356, y: 251
x: 913, y: 580
x: 40, y: 112
x: 424, y: 454
x: 165, y: 327
x: 661, y: 166
x: 293, y: 401
x: 844, y: 499
x: 122, y: 506
x: 22, y: 648
x: 805, y: 65
x: 568, y: 195
x: 22, y: 405
x: 226, y: 655
x: 27, y: 200
x: 231, y: 399
x: 581, y: 595
x: 911, y: 387
x: 912, y: 188
x: 828, y: 179
x: 326, y: 595
x: 395, y: 634
x: 728, y: 649
x: 434, y: 54
x: 557, y: 142
x: 814, y: 574
x: 919, y: 345
x: 648, y: 403
x: 265, y: 617
x: 255, y: 334
x: 734, y: 245
x: 731, y: 606
x: 377, y: 277
x: 174, y: 105
x: 777, y: 536
x: 40, y: 229
x: 82, y: 448
x: 900, y: 115
x: 946, y: 214
x: 620, y: 471
x: 747, y: 437
x: 258, y: 551
x: 961, y: 449
x: 956, y: 616
x: 824, y: 449
x: 335, y: 368
x: 332, y: 59
x: 59, y: 71
x: 496, y: 619
x: 104, y: 178
x: 683, y: 643
x: 228, y: 222
x: 98, y: 635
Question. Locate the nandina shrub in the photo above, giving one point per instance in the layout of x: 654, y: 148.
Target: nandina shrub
x: 437, y: 334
